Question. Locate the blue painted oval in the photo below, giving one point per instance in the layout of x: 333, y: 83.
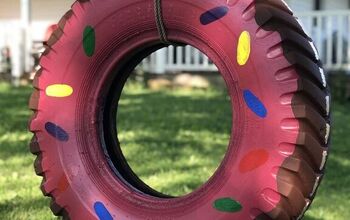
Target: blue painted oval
x: 254, y: 104
x: 56, y: 131
x: 213, y: 15
x: 102, y: 212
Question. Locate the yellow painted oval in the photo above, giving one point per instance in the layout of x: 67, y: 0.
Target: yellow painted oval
x: 59, y: 90
x: 243, y: 48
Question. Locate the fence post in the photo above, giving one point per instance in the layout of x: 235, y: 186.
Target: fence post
x: 159, y: 64
x: 16, y: 56
x: 27, y: 43
x: 21, y: 44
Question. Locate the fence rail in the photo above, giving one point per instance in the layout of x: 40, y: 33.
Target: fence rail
x: 330, y: 31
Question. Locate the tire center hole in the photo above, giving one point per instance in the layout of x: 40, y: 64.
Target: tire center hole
x: 174, y: 128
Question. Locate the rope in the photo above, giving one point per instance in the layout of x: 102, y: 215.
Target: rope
x: 159, y: 22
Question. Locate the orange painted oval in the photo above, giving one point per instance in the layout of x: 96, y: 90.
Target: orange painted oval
x: 253, y: 160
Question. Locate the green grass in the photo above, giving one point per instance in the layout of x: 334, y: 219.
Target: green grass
x: 174, y: 155
x: 20, y: 197
x: 174, y: 139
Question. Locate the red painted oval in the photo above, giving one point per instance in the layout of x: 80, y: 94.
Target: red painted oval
x: 62, y: 184
x: 253, y: 160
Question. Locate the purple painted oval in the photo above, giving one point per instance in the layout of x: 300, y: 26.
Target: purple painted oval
x: 56, y: 132
x: 213, y: 15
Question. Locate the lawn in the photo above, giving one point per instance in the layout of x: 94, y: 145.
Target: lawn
x: 174, y: 155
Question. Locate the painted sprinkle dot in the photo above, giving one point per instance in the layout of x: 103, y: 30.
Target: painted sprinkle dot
x: 227, y: 205
x: 253, y: 160
x: 213, y: 15
x: 243, y: 48
x: 254, y: 104
x: 56, y: 132
x: 102, y: 212
x: 89, y: 41
x: 59, y: 90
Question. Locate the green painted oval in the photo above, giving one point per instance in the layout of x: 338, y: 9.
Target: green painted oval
x: 89, y: 41
x: 227, y: 205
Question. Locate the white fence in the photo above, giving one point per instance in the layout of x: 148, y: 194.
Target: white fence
x: 330, y: 31
x: 19, y: 39
x: 177, y: 59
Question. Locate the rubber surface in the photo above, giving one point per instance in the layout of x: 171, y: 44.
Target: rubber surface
x: 280, y: 131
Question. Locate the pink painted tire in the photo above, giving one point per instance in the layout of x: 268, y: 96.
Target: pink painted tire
x: 279, y: 143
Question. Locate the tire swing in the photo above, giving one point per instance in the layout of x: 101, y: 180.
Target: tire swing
x: 276, y: 155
